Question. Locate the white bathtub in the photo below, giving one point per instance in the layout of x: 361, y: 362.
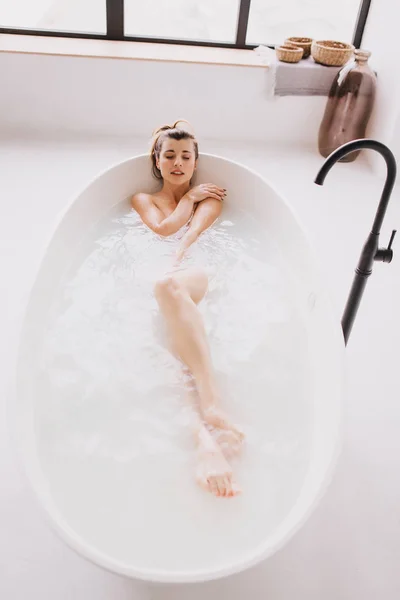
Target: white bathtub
x: 325, y: 348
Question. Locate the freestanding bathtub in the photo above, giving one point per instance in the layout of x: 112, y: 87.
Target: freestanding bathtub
x: 89, y: 525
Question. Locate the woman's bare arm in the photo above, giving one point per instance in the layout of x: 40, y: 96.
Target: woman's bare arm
x: 153, y: 217
x: 205, y: 215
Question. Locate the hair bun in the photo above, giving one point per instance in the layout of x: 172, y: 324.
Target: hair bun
x: 185, y: 125
x: 159, y: 130
x: 181, y: 124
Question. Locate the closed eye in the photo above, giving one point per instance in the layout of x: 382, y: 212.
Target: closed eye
x: 184, y: 157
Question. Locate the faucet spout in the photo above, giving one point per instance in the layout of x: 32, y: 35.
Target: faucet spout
x: 390, y: 178
x: 370, y: 251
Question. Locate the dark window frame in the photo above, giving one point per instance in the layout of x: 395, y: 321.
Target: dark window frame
x: 115, y: 29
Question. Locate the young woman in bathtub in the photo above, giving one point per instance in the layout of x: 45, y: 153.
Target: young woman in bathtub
x: 174, y: 155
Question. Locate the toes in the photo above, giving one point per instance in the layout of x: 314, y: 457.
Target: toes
x: 213, y: 486
x: 214, y: 417
x: 225, y: 486
x: 215, y: 475
x: 228, y: 486
x: 238, y: 432
x: 222, y: 485
x: 232, y: 488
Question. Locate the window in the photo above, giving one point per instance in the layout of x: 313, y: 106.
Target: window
x: 272, y: 21
x: 203, y: 20
x: 81, y: 16
x: 221, y: 23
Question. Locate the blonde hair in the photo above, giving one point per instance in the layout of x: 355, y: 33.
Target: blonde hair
x: 175, y: 132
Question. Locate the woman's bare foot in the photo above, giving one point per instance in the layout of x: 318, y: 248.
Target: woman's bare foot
x: 230, y: 442
x: 214, y: 473
x: 217, y: 418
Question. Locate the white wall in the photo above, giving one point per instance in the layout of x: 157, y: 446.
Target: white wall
x: 130, y: 97
x: 381, y: 38
x: 395, y: 139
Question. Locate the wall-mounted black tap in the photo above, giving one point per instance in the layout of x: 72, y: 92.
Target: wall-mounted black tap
x: 370, y: 251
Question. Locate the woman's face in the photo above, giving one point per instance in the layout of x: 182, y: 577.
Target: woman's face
x: 177, y: 161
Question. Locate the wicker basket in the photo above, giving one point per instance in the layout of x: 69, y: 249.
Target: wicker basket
x: 331, y: 53
x: 289, y: 54
x: 300, y: 42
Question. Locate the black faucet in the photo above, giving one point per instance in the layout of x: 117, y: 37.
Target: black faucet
x: 370, y: 251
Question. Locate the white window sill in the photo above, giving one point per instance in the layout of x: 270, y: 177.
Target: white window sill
x: 30, y: 44
x: 305, y: 78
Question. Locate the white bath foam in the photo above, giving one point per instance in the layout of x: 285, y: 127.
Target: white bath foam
x: 112, y: 421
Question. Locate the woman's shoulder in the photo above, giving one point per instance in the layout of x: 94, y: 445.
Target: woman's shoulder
x: 142, y: 195
x: 142, y: 199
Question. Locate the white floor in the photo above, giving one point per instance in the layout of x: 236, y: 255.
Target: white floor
x: 350, y: 547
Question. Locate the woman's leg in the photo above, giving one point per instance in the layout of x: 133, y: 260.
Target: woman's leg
x: 213, y: 472
x: 177, y: 295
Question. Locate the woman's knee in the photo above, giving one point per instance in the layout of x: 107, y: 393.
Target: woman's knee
x: 196, y: 284
x: 166, y: 288
x: 201, y: 277
x: 182, y: 285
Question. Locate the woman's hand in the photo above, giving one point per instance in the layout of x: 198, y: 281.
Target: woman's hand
x: 205, y: 190
x: 180, y: 253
